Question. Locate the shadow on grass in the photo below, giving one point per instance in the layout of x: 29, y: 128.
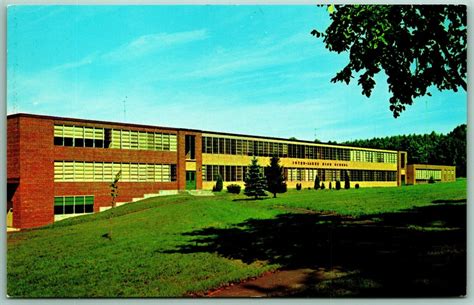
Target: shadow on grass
x: 387, y: 255
x: 251, y: 199
x: 449, y: 201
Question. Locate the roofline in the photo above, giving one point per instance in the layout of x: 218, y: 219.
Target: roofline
x: 40, y: 116
x: 435, y: 165
x: 50, y: 117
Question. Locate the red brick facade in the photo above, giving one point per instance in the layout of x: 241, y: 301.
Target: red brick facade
x: 30, y: 167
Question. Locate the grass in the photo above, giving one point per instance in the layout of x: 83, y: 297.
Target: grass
x: 172, y: 246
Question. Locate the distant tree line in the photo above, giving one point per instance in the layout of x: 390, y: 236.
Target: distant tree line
x: 433, y: 148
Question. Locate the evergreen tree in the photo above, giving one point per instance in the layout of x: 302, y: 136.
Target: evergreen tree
x: 255, y: 182
x: 114, y: 187
x: 330, y: 185
x: 338, y: 185
x: 347, y: 184
x: 219, y: 184
x: 317, y: 183
x: 275, y: 179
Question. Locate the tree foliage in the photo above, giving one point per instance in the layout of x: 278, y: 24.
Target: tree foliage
x: 317, y: 182
x: 255, y: 182
x: 433, y: 148
x: 219, y: 184
x: 275, y: 178
x: 417, y: 46
x: 114, y: 188
x: 347, y: 183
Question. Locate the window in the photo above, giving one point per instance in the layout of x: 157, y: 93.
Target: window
x: 158, y: 141
x: 73, y: 205
x: 166, y: 141
x: 133, y: 140
x: 173, y: 142
x: 426, y: 174
x: 190, y: 148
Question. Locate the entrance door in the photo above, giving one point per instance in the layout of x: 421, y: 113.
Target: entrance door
x: 190, y: 180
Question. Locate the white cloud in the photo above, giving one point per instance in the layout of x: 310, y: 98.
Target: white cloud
x: 270, y: 52
x: 76, y: 64
x: 151, y: 43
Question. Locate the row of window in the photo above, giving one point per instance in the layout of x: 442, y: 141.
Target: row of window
x: 80, y: 136
x: 227, y: 172
x: 80, y: 171
x: 73, y: 205
x: 214, y: 145
x: 309, y: 174
x: 237, y: 173
x: 426, y: 174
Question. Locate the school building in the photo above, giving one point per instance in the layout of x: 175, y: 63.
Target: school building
x: 59, y: 167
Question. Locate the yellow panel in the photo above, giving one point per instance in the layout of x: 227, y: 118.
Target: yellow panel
x: 190, y: 166
x: 58, y: 130
x: 173, y: 143
x: 88, y: 133
x: 218, y: 159
x: 78, y: 171
x: 98, y: 171
x: 79, y: 132
x: 88, y: 171
x: 68, y: 131
x: 125, y: 172
x: 115, y: 139
x: 58, y: 171
x: 158, y: 175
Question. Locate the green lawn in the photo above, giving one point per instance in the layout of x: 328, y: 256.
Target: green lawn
x: 171, y: 246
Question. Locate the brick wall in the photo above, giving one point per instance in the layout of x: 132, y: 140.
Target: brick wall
x: 35, y: 190
x: 31, y: 155
x: 13, y: 148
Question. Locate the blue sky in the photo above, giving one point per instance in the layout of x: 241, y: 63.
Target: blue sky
x: 241, y: 69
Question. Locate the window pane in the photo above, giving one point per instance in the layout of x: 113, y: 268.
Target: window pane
x: 58, y: 201
x: 58, y: 210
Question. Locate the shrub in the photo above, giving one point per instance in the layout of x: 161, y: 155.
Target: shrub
x: 233, y: 188
x: 275, y: 178
x: 317, y: 183
x: 357, y: 185
x: 309, y: 188
x: 431, y: 180
x: 323, y: 186
x: 219, y: 185
x: 298, y: 186
x: 330, y: 185
x: 347, y: 184
x: 255, y: 181
x: 338, y: 185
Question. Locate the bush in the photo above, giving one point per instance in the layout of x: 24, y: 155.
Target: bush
x: 323, y: 186
x: 338, y: 185
x: 330, y: 185
x: 431, y: 180
x: 233, y: 188
x: 219, y: 185
x: 317, y: 183
x: 357, y: 185
x: 347, y: 184
x: 298, y: 186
